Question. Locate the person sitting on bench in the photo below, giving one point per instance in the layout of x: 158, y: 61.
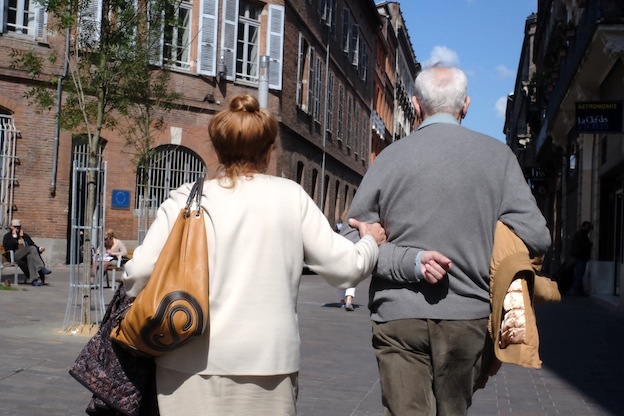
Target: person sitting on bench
x: 113, y: 249
x: 27, y: 253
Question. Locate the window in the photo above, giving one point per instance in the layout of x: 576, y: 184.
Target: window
x: 8, y: 138
x: 248, y: 42
x: 327, y: 10
x: 365, y: 135
x: 176, y: 37
x: 349, y: 120
x: 240, y: 41
x: 339, y: 133
x: 363, y: 62
x: 318, y: 74
x: 23, y: 17
x: 330, y: 103
x: 169, y: 167
x: 356, y: 137
x: 346, y: 29
x: 354, y: 45
x: 304, y: 75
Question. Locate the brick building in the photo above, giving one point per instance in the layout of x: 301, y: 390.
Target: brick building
x: 321, y: 59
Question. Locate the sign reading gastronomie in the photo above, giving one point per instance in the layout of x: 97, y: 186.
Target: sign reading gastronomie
x: 599, y: 116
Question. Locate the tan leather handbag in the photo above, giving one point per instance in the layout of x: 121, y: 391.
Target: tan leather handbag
x: 172, y: 308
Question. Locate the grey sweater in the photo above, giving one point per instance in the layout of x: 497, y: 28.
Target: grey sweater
x: 442, y: 188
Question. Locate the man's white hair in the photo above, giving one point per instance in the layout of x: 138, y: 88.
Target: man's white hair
x: 441, y: 90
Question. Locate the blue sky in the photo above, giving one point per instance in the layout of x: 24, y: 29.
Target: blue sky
x: 483, y: 38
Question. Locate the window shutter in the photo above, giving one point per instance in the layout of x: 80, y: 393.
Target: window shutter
x: 300, y: 64
x: 156, y: 28
x: 4, y: 8
x: 207, y: 45
x: 275, y: 45
x: 346, y: 26
x: 229, y: 36
x: 90, y: 22
x: 40, y: 23
x: 354, y: 48
x: 311, y: 66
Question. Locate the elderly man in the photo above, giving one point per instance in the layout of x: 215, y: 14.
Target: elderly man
x: 444, y: 187
x: 27, y: 253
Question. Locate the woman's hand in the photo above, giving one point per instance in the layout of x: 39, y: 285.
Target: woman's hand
x: 375, y: 230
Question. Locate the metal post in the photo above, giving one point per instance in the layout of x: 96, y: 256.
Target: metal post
x: 323, y: 161
x: 263, y: 82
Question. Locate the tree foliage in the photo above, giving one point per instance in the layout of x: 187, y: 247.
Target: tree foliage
x: 109, y: 80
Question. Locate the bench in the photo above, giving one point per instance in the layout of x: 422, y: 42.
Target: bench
x: 118, y: 267
x: 9, y: 263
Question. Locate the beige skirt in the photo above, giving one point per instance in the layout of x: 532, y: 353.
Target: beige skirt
x: 190, y: 395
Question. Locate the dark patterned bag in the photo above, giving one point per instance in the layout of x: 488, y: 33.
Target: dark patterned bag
x: 121, y: 382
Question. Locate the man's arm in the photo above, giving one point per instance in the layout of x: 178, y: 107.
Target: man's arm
x: 520, y: 212
x: 9, y: 242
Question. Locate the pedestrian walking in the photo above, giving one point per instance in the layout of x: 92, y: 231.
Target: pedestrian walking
x: 260, y: 230
x: 443, y: 188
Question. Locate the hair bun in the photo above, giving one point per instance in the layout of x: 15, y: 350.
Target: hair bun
x: 245, y: 103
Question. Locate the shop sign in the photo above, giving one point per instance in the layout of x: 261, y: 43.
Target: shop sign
x: 599, y: 116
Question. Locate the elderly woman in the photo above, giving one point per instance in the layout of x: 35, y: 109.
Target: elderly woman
x: 113, y: 249
x: 260, y: 229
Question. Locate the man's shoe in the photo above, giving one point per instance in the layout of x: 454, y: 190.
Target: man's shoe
x: 349, y: 307
x: 36, y: 283
x: 45, y: 271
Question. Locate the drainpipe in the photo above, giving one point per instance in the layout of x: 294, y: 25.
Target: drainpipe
x: 59, y: 94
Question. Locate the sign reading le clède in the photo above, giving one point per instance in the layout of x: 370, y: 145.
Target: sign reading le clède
x: 599, y: 116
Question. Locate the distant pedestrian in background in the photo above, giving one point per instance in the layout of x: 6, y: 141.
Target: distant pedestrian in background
x: 580, y: 251
x: 347, y: 295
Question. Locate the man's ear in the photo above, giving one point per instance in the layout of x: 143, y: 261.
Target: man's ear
x: 464, y: 109
x: 419, y: 115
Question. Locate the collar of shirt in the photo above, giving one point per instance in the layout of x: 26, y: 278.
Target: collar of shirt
x: 438, y: 118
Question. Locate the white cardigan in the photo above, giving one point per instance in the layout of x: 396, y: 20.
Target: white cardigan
x: 259, y: 234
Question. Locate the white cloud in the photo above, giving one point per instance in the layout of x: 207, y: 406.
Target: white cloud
x: 504, y: 72
x: 501, y: 107
x: 442, y: 55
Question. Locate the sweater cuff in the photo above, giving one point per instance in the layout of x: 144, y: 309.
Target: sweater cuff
x: 417, y: 274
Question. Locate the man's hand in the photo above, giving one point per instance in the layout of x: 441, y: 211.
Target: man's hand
x: 375, y: 230
x: 434, y: 266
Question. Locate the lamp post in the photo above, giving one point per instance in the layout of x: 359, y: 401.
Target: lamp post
x: 263, y: 82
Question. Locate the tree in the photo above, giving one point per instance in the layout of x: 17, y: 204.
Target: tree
x: 109, y: 50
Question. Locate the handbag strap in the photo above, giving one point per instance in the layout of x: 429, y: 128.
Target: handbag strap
x: 196, y: 194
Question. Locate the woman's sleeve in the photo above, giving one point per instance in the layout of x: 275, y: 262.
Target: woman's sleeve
x: 339, y: 261
x: 121, y: 249
x: 138, y: 270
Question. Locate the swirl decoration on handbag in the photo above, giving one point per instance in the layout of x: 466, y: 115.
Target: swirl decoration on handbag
x: 173, y: 307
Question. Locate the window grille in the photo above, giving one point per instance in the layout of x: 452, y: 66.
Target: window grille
x: 8, y: 160
x: 169, y: 168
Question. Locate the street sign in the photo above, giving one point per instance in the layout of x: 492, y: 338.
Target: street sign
x: 599, y: 116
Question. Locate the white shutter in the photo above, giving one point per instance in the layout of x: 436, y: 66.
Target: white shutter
x: 275, y: 45
x: 155, y: 28
x: 354, y: 48
x: 207, y: 39
x: 311, y: 67
x: 346, y: 27
x: 90, y: 22
x: 300, y: 63
x: 40, y: 23
x: 229, y: 35
x: 4, y: 8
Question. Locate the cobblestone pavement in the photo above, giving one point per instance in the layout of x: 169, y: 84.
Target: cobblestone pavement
x: 581, y: 346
